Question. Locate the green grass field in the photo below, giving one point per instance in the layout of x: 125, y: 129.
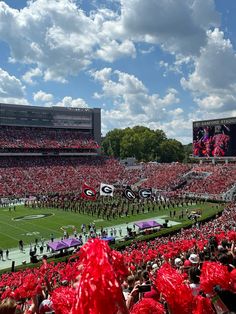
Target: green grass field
x: 13, y: 228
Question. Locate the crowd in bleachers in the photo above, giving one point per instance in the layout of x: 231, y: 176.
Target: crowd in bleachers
x: 163, y: 176
x: 44, y: 175
x: 205, y: 179
x: 220, y: 178
x: 44, y: 138
x: 191, y: 272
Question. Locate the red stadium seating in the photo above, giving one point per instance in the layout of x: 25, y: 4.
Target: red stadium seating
x: 44, y: 138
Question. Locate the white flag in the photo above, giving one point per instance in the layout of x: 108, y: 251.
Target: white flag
x: 106, y: 189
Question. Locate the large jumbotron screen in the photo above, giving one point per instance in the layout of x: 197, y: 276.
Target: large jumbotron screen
x: 214, y: 138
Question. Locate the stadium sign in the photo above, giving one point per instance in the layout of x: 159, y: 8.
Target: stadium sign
x: 214, y: 122
x: 214, y: 138
x: 31, y: 217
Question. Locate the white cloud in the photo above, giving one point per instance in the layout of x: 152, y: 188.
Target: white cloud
x: 179, y: 26
x: 57, y: 39
x: 67, y: 101
x: 101, y: 75
x: 61, y: 39
x: 112, y: 50
x: 213, y: 81
x: 27, y: 77
x: 43, y: 97
x: 176, y: 66
x: 179, y: 128
x: 11, y: 89
x: 16, y: 101
x: 176, y: 112
x: 73, y: 103
x: 122, y: 84
x: 147, y: 51
x: 133, y: 104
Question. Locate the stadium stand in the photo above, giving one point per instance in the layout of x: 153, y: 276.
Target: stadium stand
x: 56, y: 130
x: 219, y: 179
x: 26, y: 138
x: 190, y: 272
x: 44, y: 175
x: 57, y: 174
x: 164, y: 176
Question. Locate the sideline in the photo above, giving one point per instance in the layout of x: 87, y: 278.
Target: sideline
x: 21, y: 258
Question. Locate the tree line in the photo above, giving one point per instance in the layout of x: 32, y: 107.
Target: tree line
x: 144, y: 144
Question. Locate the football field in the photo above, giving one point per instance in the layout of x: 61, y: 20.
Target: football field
x: 28, y: 224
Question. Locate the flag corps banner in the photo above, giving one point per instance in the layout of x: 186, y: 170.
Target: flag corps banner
x: 145, y: 193
x: 106, y: 189
x: 129, y: 193
x: 88, y: 192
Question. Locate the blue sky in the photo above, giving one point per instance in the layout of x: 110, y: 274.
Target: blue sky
x: 158, y: 63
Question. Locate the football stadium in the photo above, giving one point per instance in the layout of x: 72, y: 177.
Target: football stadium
x: 65, y: 206
x: 117, y: 157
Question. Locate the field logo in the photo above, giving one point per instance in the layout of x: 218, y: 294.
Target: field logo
x: 31, y: 217
x: 29, y: 234
x: 67, y: 227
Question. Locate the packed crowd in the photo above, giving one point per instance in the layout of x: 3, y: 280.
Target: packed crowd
x: 191, y: 272
x: 164, y: 176
x: 44, y: 175
x: 220, y: 178
x: 43, y: 138
x: 30, y: 176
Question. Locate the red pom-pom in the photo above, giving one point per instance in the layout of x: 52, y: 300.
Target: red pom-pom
x: 28, y: 288
x: 98, y: 288
x: 177, y: 294
x: 232, y: 235
x: 148, y: 306
x: 117, y: 260
x: 213, y: 274
x: 62, y: 299
x: 203, y: 306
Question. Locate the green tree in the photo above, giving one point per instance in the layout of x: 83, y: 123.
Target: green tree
x: 188, y: 150
x: 139, y: 142
x: 111, y: 143
x: 110, y: 151
x: 130, y: 144
x: 171, y: 150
